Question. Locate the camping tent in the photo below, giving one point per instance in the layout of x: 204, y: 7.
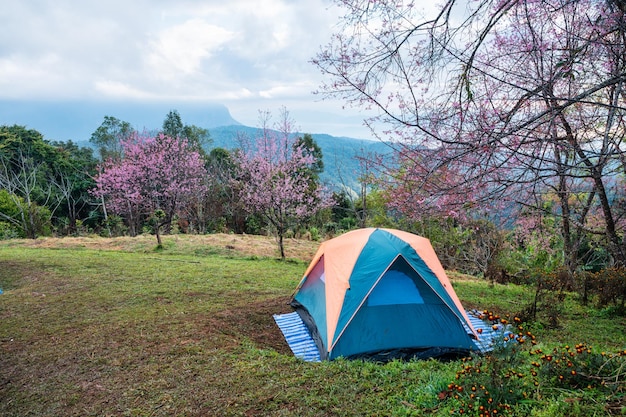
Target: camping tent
x: 381, y: 293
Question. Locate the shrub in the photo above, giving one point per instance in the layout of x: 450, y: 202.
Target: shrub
x: 609, y: 286
x: 499, y: 383
x: 581, y: 367
x: 518, y: 378
x: 314, y: 234
x: 9, y: 231
x: 549, y: 295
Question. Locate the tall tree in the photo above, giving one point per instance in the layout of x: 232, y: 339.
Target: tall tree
x: 197, y: 137
x: 108, y: 139
x: 491, y: 99
x: 156, y: 177
x: 25, y: 166
x: 173, y: 125
x: 273, y: 177
x: 19, y: 180
x: 310, y: 146
x: 109, y: 136
x: 223, y: 202
x: 72, y: 176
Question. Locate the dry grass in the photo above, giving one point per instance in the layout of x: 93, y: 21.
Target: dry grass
x: 218, y: 243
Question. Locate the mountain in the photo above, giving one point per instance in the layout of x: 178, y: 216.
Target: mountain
x: 340, y: 154
x: 76, y: 121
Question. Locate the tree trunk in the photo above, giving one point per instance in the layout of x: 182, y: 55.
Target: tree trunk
x: 158, y: 235
x: 281, y: 244
x: 595, y: 171
x: 570, y: 253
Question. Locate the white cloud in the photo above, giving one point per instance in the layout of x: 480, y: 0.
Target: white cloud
x: 116, y: 89
x: 289, y: 91
x: 182, y: 48
x: 250, y: 55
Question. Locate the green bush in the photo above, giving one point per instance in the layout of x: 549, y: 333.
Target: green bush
x: 10, y: 231
x: 15, y: 208
x: 500, y: 382
x: 315, y: 234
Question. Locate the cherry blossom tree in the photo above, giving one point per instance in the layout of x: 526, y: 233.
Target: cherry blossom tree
x: 273, y: 176
x: 155, y: 179
x: 493, y: 102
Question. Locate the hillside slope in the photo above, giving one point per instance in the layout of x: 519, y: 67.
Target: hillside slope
x: 340, y: 154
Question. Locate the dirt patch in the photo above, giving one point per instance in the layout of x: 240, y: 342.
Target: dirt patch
x: 254, y: 322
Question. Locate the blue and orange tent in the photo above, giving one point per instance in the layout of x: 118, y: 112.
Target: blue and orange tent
x: 381, y: 293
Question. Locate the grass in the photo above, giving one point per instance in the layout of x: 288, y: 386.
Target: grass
x: 188, y: 331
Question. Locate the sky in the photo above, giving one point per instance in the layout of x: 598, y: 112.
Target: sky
x: 249, y: 55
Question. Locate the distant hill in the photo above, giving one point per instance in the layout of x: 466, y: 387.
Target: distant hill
x: 76, y: 121
x: 340, y: 154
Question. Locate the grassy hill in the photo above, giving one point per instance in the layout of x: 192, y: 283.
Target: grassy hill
x: 95, y: 326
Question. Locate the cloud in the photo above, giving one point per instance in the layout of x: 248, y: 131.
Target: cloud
x: 290, y: 91
x: 116, y: 89
x: 181, y: 49
x: 250, y: 55
x: 189, y: 48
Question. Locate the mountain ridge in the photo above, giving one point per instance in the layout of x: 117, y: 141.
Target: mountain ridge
x: 340, y: 154
x: 77, y: 120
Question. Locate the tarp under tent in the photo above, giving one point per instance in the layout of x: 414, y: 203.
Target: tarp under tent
x: 377, y: 293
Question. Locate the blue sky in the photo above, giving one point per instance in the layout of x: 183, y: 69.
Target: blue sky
x: 247, y: 55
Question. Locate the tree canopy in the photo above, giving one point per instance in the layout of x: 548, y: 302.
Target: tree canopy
x: 274, y: 176
x: 156, y: 176
x: 493, y: 104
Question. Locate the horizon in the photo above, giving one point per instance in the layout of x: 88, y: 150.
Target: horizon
x: 249, y: 59
x: 76, y: 120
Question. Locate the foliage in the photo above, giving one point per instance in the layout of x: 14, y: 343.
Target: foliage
x: 517, y: 376
x: 109, y: 136
x: 608, y: 286
x: 73, y: 176
x: 10, y: 209
x: 156, y: 173
x: 493, y: 104
x: 217, y: 209
x: 52, y: 179
x: 581, y: 367
x: 21, y: 218
x: 198, y: 138
x: 471, y: 246
x: 9, y: 231
x: 273, y: 178
x: 310, y: 147
x: 537, y: 243
x: 498, y: 382
x: 375, y: 213
x: 26, y: 161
